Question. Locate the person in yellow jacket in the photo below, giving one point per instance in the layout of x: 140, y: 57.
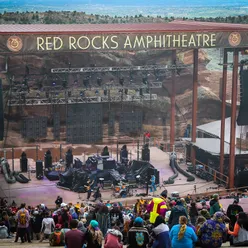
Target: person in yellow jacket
x: 157, y: 207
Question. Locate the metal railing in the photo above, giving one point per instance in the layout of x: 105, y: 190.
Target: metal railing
x: 217, y: 176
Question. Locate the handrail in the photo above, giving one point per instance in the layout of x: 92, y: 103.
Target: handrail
x: 216, y: 174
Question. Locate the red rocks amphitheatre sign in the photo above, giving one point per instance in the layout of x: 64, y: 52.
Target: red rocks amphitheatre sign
x: 107, y: 42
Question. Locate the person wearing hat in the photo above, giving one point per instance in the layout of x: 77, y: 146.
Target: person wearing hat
x: 74, y: 238
x: 232, y: 211
x: 138, y: 236
x: 214, y: 205
x: 113, y: 238
x: 157, y: 207
x: 36, y: 223
x: 57, y: 238
x: 204, y: 213
x: 213, y: 232
x: 93, y: 235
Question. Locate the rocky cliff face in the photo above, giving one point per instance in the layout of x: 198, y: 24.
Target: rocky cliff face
x: 209, y: 104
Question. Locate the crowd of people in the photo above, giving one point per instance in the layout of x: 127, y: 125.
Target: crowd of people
x: 162, y: 222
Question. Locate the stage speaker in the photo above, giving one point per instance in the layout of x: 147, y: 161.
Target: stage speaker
x: 109, y: 164
x: 242, y: 119
x: 136, y: 165
x: 39, y: 168
x: 145, y: 155
x: 69, y: 158
x: 48, y: 159
x: 24, y: 164
x: 1, y: 112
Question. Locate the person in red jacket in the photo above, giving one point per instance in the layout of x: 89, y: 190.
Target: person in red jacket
x: 113, y: 239
x: 64, y: 219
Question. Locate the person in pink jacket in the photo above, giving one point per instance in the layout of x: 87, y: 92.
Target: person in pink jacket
x: 113, y: 239
x: 157, y: 207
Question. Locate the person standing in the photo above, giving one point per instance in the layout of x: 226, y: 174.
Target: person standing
x: 46, y: 227
x: 58, y: 201
x: 153, y: 184
x: 193, y: 213
x: 74, y: 238
x: 214, y: 205
x: 176, y: 212
x: 23, y: 218
x: 138, y: 236
x: 157, y: 207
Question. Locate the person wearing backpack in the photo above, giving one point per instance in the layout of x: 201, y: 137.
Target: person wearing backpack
x: 47, y: 226
x: 57, y: 237
x: 23, y: 218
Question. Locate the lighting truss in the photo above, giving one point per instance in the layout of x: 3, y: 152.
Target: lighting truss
x: 117, y: 68
x: 60, y: 89
x: 74, y: 100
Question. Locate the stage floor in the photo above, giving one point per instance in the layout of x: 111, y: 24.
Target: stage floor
x: 45, y: 191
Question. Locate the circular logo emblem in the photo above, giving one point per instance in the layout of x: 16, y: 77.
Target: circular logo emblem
x: 234, y: 39
x: 14, y: 43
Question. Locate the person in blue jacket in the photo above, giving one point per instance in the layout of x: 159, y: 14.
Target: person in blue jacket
x: 181, y: 235
x: 161, y: 231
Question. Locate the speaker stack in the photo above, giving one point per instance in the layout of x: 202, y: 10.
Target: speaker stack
x: 23, y: 162
x: 48, y: 160
x: 145, y: 156
x: 39, y: 169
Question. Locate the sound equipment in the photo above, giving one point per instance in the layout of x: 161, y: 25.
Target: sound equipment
x: 1, y: 112
x: 84, y: 125
x: 109, y: 164
x: 48, y: 159
x: 39, y: 169
x: 68, y: 158
x: 136, y: 165
x: 23, y: 164
x: 145, y: 155
x: 242, y: 119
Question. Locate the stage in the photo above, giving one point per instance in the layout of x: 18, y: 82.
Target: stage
x: 45, y: 191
